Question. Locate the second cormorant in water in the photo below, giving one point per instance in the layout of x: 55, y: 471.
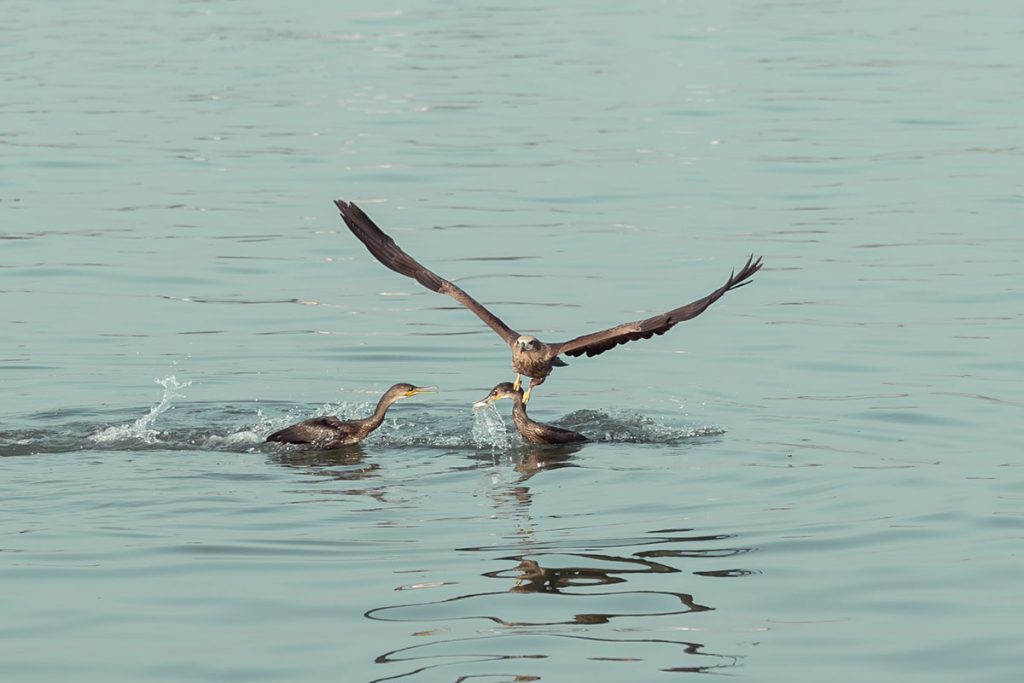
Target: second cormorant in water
x: 533, y: 432
x: 330, y: 432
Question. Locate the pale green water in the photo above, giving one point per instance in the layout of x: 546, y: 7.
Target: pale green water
x: 821, y: 477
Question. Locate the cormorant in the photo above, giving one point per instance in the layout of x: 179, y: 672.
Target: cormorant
x: 330, y: 432
x: 533, y: 432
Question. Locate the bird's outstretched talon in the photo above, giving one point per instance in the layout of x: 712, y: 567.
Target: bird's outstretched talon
x: 518, y: 384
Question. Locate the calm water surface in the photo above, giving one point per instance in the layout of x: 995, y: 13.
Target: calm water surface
x: 819, y: 477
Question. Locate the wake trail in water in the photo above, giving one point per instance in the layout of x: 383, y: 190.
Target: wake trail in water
x: 173, y: 424
x: 141, y: 430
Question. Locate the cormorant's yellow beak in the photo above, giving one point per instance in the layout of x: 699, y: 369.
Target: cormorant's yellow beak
x: 486, y: 400
x: 421, y: 390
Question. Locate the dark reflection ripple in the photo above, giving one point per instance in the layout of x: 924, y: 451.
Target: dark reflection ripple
x: 460, y: 652
x: 448, y: 609
x: 547, y: 583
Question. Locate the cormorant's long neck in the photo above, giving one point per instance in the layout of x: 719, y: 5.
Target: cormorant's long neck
x: 519, y: 415
x: 380, y: 411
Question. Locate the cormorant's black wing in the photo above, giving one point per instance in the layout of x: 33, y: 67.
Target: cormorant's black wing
x: 313, y: 430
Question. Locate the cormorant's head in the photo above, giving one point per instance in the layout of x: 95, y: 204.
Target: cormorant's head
x: 503, y: 390
x: 403, y: 390
x: 527, y: 343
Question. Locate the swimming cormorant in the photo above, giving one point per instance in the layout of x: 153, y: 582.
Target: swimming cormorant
x: 533, y: 432
x: 330, y: 432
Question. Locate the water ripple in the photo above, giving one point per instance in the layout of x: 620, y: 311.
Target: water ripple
x: 170, y: 424
x: 546, y: 587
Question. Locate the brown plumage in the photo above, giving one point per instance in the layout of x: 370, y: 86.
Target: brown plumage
x: 530, y: 356
x: 533, y: 432
x: 329, y: 432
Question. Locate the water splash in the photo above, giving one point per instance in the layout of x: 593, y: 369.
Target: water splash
x: 242, y: 439
x: 489, y: 429
x: 175, y: 424
x: 141, y: 430
x: 623, y: 426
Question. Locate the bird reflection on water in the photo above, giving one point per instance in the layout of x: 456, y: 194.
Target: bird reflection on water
x: 467, y: 651
x: 345, y: 464
x: 534, y: 460
x: 313, y: 460
x: 595, y: 578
